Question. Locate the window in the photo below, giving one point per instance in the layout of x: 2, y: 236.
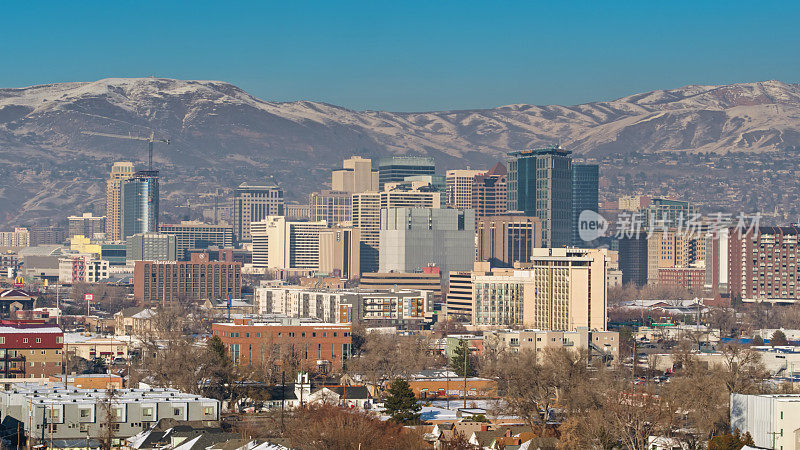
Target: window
x: 24, y: 340
x: 208, y: 410
x: 85, y: 413
x: 84, y: 427
x: 147, y: 411
x: 177, y: 411
x: 38, y: 340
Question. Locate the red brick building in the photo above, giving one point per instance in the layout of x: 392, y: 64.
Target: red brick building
x: 312, y: 346
x: 196, y: 279
x: 686, y: 277
x: 30, y: 350
x: 763, y: 264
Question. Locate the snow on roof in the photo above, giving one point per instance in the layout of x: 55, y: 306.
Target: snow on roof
x: 8, y: 329
x: 188, y: 445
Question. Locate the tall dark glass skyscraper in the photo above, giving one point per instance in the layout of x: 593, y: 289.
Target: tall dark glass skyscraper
x: 584, y: 195
x: 139, y: 211
x: 397, y: 168
x: 540, y: 184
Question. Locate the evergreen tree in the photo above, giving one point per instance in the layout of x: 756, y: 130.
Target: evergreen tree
x: 460, y: 357
x: 778, y: 338
x: 401, y: 404
x: 758, y: 340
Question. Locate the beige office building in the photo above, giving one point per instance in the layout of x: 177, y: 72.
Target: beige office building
x: 120, y: 172
x: 355, y: 176
x: 670, y: 249
x: 459, y: 187
x: 334, y: 207
x: 504, y: 240
x: 282, y: 244
x: 339, y: 252
x: 367, y: 213
x: 560, y: 289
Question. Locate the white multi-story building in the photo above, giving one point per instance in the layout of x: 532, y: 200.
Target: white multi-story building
x: 20, y: 237
x: 82, y: 268
x: 345, y: 306
x: 560, y: 289
x: 282, y: 244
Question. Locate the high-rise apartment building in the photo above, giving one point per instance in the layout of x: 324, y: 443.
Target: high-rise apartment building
x: 504, y: 240
x: 140, y: 203
x: 197, y: 235
x: 120, y: 171
x: 397, y: 168
x: 459, y: 188
x: 252, y: 203
x: 86, y: 225
x: 151, y: 247
x: 194, y: 280
x: 763, y: 264
x: 414, y: 238
x: 282, y: 244
x: 334, y: 207
x: 356, y: 175
x: 339, y: 252
x: 490, y: 192
x: 540, y: 184
x: 367, y: 213
x: 585, y: 179
x: 560, y: 289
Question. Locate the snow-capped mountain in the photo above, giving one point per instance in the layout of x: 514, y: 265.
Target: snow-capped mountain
x: 220, y: 135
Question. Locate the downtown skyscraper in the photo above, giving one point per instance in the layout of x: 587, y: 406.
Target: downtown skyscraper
x: 120, y: 172
x: 540, y: 184
x: 140, y: 204
x: 585, y: 179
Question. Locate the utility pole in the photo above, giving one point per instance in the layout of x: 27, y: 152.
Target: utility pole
x: 447, y: 387
x: 466, y: 358
x: 283, y: 398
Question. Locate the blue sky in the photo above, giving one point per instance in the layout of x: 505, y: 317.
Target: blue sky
x: 407, y: 55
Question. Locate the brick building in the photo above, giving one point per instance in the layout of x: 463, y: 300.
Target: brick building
x: 762, y: 264
x: 690, y: 278
x: 30, y: 350
x: 313, y: 346
x: 197, y: 279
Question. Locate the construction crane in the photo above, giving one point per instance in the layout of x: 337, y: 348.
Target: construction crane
x: 150, y: 141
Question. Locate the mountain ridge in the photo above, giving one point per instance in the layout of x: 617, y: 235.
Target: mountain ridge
x: 223, y: 132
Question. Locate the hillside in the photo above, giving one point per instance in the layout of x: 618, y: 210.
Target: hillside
x: 221, y: 136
